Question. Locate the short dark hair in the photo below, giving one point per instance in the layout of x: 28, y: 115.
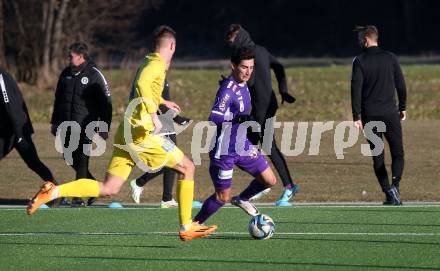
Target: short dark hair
x: 242, y: 53
x: 232, y: 31
x: 162, y: 32
x: 367, y: 31
x: 79, y: 48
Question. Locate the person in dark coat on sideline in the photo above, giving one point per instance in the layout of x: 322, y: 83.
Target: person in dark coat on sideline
x: 376, y: 78
x: 264, y: 103
x: 82, y: 96
x: 16, y: 127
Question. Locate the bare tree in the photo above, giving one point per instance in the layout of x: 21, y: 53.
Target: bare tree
x: 42, y: 30
x: 26, y: 39
x: 57, y: 35
x: 48, y: 18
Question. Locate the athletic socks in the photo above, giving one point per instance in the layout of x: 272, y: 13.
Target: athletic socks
x: 209, y: 207
x: 185, y: 195
x: 254, y: 188
x: 79, y: 188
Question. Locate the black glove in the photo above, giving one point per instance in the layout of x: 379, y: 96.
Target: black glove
x: 286, y: 97
x: 181, y: 120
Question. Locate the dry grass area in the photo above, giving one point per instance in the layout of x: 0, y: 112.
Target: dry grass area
x: 323, y: 93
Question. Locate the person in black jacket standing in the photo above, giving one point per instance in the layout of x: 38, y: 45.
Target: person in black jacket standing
x: 264, y: 102
x: 82, y: 96
x: 375, y: 78
x: 167, y: 118
x: 16, y: 127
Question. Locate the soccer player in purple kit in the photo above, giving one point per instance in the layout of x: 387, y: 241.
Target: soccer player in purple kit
x: 231, y: 109
x: 265, y: 105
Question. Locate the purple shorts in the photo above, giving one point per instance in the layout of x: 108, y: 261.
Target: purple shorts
x: 221, y: 170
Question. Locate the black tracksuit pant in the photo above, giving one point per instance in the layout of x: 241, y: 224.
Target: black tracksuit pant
x: 169, y: 175
x: 27, y: 151
x: 80, y: 160
x: 393, y: 135
x: 275, y: 156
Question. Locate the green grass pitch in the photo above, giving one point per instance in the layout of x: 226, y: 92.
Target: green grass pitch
x: 306, y: 238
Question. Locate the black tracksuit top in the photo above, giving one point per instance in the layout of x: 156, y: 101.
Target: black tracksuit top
x: 82, y: 96
x: 375, y: 77
x: 264, y: 102
x: 14, y: 116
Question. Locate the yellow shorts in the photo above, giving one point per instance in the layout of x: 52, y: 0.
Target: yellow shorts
x: 151, y: 154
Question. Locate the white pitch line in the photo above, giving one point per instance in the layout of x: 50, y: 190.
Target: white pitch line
x: 221, y: 233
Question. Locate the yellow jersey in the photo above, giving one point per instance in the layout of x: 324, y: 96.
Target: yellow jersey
x: 145, y: 98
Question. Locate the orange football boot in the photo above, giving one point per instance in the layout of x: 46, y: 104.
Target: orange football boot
x: 196, y: 231
x: 43, y: 196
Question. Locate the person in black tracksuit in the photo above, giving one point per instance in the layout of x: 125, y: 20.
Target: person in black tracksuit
x: 376, y: 76
x: 264, y: 102
x: 82, y: 96
x: 169, y: 175
x: 16, y: 127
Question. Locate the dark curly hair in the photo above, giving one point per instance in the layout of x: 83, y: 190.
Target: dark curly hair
x: 243, y: 53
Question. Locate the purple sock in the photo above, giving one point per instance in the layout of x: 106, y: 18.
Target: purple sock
x: 254, y: 188
x: 289, y: 186
x: 210, y: 206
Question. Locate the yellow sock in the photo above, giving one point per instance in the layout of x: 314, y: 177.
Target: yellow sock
x: 79, y: 188
x: 185, y: 195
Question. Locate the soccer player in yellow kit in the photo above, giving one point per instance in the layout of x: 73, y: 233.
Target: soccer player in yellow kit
x: 137, y: 143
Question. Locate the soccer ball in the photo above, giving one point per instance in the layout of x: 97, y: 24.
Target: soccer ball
x: 261, y: 227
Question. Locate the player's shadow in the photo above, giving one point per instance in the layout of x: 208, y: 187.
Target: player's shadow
x: 249, y: 263
x: 82, y: 233
x: 384, y: 242
x: 14, y: 201
x: 83, y: 245
x: 356, y: 223
x: 291, y: 237
x: 230, y: 237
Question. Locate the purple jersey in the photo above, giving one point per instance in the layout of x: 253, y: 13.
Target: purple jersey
x: 232, y: 100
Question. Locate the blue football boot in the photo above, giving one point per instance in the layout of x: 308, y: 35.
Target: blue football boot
x: 283, y: 201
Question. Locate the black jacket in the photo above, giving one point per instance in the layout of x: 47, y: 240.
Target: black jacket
x: 14, y: 116
x: 264, y: 102
x: 83, y: 96
x: 375, y: 78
